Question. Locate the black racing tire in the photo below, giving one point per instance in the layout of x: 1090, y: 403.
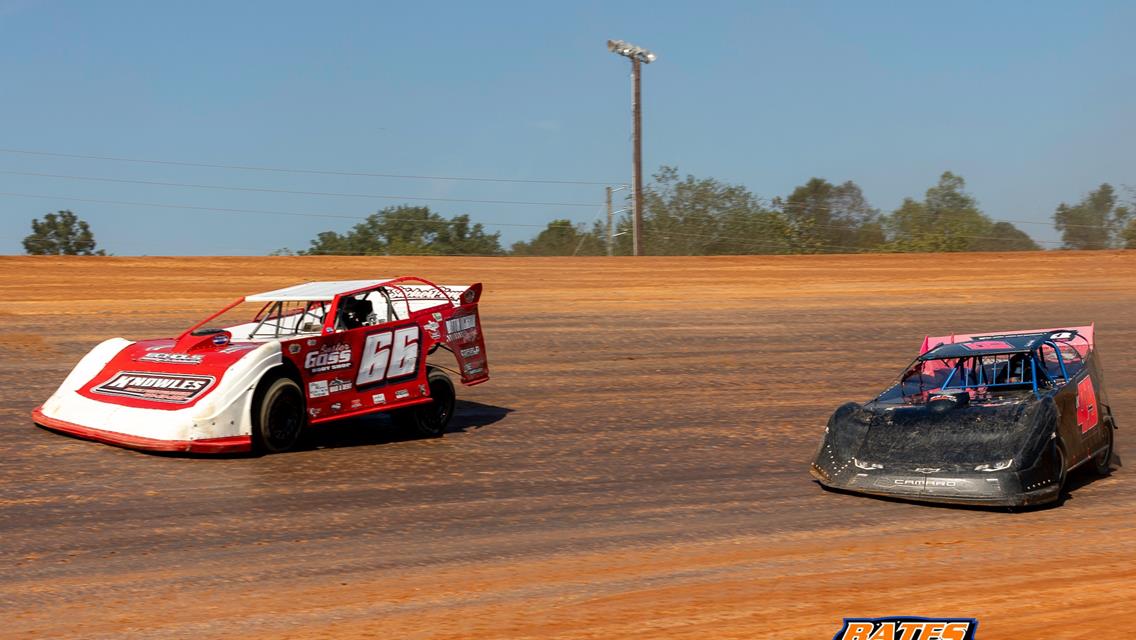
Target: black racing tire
x: 279, y: 418
x: 1062, y: 469
x: 430, y: 419
x: 1102, y: 462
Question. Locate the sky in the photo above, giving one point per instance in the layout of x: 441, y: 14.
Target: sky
x: 1032, y: 103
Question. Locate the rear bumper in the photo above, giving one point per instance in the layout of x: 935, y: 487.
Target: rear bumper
x: 989, y: 489
x: 232, y: 444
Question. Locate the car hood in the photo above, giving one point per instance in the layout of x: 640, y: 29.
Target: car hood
x: 959, y: 436
x: 163, y: 373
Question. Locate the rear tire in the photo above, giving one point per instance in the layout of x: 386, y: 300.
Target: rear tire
x: 280, y: 417
x: 430, y: 419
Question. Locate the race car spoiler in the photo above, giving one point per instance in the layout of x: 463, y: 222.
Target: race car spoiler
x: 931, y: 342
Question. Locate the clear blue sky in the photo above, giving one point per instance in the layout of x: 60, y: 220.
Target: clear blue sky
x: 1032, y: 102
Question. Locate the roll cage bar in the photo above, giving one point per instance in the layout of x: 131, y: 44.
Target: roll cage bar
x: 974, y: 377
x: 272, y: 314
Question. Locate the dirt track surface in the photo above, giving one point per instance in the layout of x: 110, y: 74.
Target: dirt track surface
x: 637, y: 466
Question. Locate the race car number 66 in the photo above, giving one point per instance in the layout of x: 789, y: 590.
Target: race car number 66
x: 388, y: 355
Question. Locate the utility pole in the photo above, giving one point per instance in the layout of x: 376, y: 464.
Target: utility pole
x: 636, y: 160
x: 637, y: 55
x: 610, y: 232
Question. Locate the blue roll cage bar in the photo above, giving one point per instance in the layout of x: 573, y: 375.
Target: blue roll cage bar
x: 1033, y: 354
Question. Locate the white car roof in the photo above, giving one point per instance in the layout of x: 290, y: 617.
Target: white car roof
x: 327, y: 290
x: 313, y: 291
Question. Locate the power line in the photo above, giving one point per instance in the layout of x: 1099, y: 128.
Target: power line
x: 246, y: 211
x: 325, y: 172
x: 293, y: 191
x: 231, y: 210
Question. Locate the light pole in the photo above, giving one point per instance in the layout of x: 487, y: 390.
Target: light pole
x: 637, y: 55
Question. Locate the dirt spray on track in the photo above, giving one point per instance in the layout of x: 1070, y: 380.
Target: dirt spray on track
x: 637, y: 467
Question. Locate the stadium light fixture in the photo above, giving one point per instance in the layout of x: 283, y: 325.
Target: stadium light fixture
x: 638, y: 55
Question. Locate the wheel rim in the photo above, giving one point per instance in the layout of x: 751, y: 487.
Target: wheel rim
x: 284, y: 421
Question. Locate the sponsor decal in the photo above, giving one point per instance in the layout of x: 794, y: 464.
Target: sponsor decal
x: 379, y: 398
x: 156, y: 387
x: 171, y: 358
x: 460, y: 324
x: 356, y: 404
x: 470, y: 352
x: 311, y: 342
x: 293, y: 349
x: 233, y: 348
x: 328, y: 358
x: 432, y: 329
x: 1087, y: 417
x: 987, y: 345
x: 927, y: 470
x: 936, y: 482
x: 931, y: 483
x: 437, y: 316
x: 339, y: 384
x: 421, y: 389
x: 221, y: 339
x: 336, y: 406
x: 314, y: 412
x: 907, y: 628
x: 158, y: 348
x: 317, y: 389
x: 402, y: 393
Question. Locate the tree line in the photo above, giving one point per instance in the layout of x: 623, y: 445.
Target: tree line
x: 687, y: 215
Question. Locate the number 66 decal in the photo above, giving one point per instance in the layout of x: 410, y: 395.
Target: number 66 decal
x: 387, y: 355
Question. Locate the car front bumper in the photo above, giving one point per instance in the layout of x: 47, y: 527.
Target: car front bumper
x: 230, y: 444
x: 1002, y: 489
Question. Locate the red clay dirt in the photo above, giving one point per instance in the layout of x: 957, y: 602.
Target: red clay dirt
x: 637, y: 466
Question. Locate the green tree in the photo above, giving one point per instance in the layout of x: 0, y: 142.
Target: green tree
x: 61, y: 234
x: 824, y: 217
x: 948, y: 219
x: 1129, y: 235
x: 563, y: 238
x: 1005, y: 237
x: 702, y: 216
x: 1096, y: 222
x: 403, y: 230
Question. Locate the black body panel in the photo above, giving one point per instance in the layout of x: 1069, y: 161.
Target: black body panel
x: 1012, y: 448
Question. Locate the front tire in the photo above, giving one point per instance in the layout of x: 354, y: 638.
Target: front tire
x: 1102, y: 462
x: 280, y: 417
x: 1062, y: 470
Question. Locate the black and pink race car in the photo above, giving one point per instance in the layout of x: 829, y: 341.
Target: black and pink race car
x: 313, y: 353
x: 986, y: 419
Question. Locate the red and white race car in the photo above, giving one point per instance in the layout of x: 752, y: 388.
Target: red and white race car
x: 314, y: 353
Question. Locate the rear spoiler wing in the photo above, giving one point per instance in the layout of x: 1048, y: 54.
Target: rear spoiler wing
x: 461, y: 334
x: 930, y: 342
